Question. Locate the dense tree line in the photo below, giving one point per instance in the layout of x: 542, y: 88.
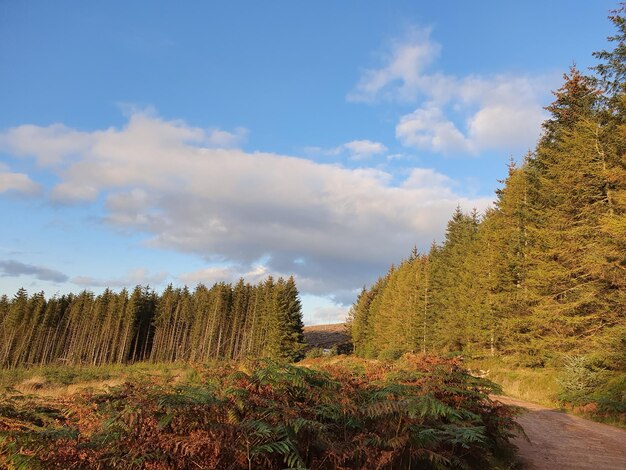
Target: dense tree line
x: 543, y: 272
x: 222, y: 322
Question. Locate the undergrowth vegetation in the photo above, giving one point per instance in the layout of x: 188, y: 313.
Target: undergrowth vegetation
x: 592, y: 390
x: 579, y: 384
x: 328, y: 413
x: 63, y: 380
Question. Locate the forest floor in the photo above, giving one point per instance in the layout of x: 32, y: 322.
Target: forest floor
x: 557, y: 440
x: 328, y: 412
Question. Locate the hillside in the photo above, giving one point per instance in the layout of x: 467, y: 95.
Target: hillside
x: 325, y: 336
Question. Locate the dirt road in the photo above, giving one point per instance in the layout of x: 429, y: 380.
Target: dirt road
x: 562, y: 441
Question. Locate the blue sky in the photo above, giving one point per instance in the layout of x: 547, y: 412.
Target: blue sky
x: 157, y: 142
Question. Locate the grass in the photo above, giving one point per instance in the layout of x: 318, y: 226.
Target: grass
x: 537, y: 385
x: 62, y: 380
x: 605, y: 403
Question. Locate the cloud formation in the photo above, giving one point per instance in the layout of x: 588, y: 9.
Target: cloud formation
x: 402, y: 78
x: 16, y: 182
x: 355, y: 149
x: 328, y: 314
x: 12, y: 268
x: 140, y: 276
x: 467, y: 114
x: 363, y: 149
x: 213, y: 274
x: 334, y: 228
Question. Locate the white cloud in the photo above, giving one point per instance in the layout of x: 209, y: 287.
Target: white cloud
x: 335, y: 228
x: 421, y: 179
x: 328, y: 315
x: 53, y: 144
x: 322, y: 310
x: 401, y: 77
x: 429, y: 129
x: 224, y: 139
x: 214, y: 274
x: 397, y: 156
x: 57, y: 144
x: 16, y: 182
x: 465, y: 114
x: 140, y: 276
x: 355, y: 149
x: 363, y: 149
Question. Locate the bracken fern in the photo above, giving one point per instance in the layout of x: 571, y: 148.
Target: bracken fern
x: 418, y: 412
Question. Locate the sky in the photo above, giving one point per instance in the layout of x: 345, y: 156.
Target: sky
x: 153, y: 142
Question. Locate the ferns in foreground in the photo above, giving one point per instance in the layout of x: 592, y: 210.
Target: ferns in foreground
x: 414, y: 413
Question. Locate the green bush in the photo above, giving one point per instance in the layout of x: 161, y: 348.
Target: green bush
x: 390, y: 354
x: 579, y: 378
x: 314, y: 353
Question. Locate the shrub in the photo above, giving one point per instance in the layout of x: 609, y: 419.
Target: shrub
x: 314, y: 353
x: 579, y: 378
x: 390, y: 354
x: 421, y: 412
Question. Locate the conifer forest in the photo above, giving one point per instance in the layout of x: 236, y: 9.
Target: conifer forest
x: 222, y: 377
x: 222, y: 322
x: 542, y: 273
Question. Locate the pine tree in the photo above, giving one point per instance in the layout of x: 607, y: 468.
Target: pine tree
x: 612, y: 68
x: 449, y: 282
x: 289, y: 312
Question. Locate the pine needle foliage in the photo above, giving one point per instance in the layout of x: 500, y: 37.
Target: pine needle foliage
x: 221, y: 322
x: 541, y: 276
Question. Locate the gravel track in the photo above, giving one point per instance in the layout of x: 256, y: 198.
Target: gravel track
x: 561, y: 441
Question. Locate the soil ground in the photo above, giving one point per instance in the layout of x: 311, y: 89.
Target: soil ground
x: 560, y: 441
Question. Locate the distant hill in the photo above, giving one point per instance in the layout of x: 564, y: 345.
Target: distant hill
x: 325, y: 336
